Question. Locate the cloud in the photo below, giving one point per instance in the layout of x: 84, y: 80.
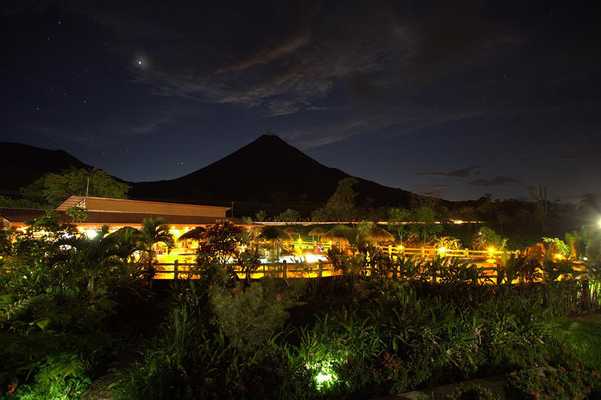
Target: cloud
x: 269, y: 55
x: 437, y: 190
x: 456, y: 173
x: 496, y: 181
x: 285, y: 58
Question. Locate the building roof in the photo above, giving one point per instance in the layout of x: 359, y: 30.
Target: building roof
x: 110, y: 205
x: 21, y: 216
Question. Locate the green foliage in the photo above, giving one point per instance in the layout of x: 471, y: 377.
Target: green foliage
x: 11, y: 202
x: 486, y: 237
x: 261, y: 216
x: 341, y: 205
x: 249, y: 318
x: 6, y: 246
x: 60, y: 377
x: 56, y: 287
x: 426, y: 229
x: 396, y: 219
x: 556, y: 246
x: 52, y: 188
x: 289, y: 216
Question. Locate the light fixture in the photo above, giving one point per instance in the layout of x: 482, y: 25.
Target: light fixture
x: 91, y: 233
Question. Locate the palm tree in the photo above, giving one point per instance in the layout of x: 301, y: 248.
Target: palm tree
x: 194, y: 234
x: 153, y: 232
x: 97, y: 260
x: 276, y: 236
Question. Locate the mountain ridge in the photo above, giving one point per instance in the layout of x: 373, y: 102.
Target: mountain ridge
x: 265, y: 173
x: 15, y: 174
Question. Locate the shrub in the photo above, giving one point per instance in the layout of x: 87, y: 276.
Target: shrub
x: 251, y: 317
x: 60, y: 377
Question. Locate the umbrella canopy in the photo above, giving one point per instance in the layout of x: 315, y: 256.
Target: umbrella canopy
x: 318, y: 231
x: 340, y: 233
x: 378, y: 235
x: 291, y: 230
x: 274, y: 233
x: 194, y: 234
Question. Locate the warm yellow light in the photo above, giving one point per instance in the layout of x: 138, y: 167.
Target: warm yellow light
x: 599, y: 223
x: 491, y: 251
x: 311, y: 258
x: 91, y: 233
x: 442, y: 251
x: 559, y: 256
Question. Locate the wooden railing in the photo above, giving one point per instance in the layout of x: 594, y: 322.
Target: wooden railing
x: 176, y: 270
x: 487, y: 271
x: 431, y: 252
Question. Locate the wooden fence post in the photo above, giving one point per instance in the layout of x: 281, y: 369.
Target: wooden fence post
x: 320, y: 265
x: 284, y: 270
x: 175, y: 270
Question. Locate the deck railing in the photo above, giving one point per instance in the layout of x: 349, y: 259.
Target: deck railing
x: 487, y: 271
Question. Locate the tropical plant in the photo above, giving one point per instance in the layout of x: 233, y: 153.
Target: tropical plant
x: 426, y: 226
x: 397, y: 217
x: 154, y: 231
x: 275, y: 236
x: 555, y: 248
x: 261, y: 216
x: 60, y: 377
x: 251, y: 317
x: 486, y: 238
x: 217, y: 253
x: 249, y: 261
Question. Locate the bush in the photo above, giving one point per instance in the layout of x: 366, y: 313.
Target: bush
x: 251, y: 317
x: 60, y: 377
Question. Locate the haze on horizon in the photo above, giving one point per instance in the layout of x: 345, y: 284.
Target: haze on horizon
x: 446, y: 100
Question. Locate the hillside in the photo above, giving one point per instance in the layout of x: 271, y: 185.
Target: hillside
x: 21, y: 164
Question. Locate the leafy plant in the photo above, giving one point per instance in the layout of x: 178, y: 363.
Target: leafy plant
x: 60, y: 377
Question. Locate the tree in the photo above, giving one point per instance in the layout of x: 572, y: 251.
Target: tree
x: 217, y: 253
x: 427, y: 226
x: 289, y: 215
x: 153, y: 232
x: 341, y: 205
x: 261, y: 216
x: 486, y: 237
x: 53, y: 188
x: 275, y: 236
x: 396, y: 219
x: 540, y: 195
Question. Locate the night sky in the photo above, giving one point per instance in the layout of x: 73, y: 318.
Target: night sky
x: 449, y: 98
